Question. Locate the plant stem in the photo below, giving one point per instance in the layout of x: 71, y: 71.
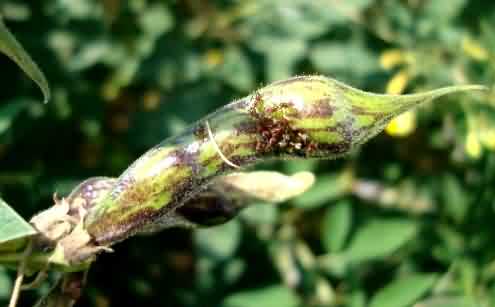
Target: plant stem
x: 36, y: 259
x: 20, y: 275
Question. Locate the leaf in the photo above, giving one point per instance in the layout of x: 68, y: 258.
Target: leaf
x: 13, y: 49
x: 404, y: 291
x: 380, y: 238
x: 233, y: 270
x: 260, y: 214
x: 156, y: 20
x: 443, y: 13
x: 236, y: 70
x: 273, y: 296
x: 8, y: 112
x: 358, y: 5
x: 455, y: 198
x: 357, y: 299
x: 292, y: 19
x: 335, y: 58
x: 220, y: 242
x: 447, y: 301
x: 88, y: 55
x: 338, y: 220
x: 216, y: 249
x: 12, y: 225
x: 283, y: 56
x: 325, y: 189
x: 5, y: 284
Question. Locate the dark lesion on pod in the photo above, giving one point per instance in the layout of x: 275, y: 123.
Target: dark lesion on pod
x: 209, y: 209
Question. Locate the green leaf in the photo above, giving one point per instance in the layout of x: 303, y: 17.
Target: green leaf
x: 156, y: 20
x: 404, y: 291
x: 273, y: 296
x: 5, y: 284
x: 380, y: 238
x: 281, y: 55
x: 219, y: 243
x: 335, y: 58
x: 12, y: 225
x: 456, y: 201
x: 88, y: 55
x: 335, y: 264
x: 441, y: 13
x: 8, y: 112
x: 260, y: 213
x: 338, y: 220
x: 358, y: 5
x: 447, y: 301
x: 357, y: 299
x: 292, y: 19
x: 13, y: 49
x: 325, y: 189
x: 237, y: 70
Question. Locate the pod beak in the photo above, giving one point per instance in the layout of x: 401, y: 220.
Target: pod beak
x: 393, y: 105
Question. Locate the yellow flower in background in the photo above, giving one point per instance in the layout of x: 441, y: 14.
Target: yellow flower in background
x: 473, y: 146
x: 474, y: 49
x: 481, y: 135
x: 394, y: 57
x: 214, y: 57
x: 391, y: 58
x: 404, y: 124
x: 398, y: 83
x: 487, y: 138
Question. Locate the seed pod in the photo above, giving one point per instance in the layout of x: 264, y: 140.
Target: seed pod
x: 302, y: 117
x: 219, y: 203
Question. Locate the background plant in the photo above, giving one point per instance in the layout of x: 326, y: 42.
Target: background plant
x: 405, y: 219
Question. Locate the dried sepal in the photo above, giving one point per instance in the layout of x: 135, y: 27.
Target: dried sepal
x: 53, y: 223
x: 76, y: 250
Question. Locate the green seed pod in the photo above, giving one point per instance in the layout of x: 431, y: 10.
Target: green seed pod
x: 302, y: 117
x: 208, y: 208
x: 219, y: 203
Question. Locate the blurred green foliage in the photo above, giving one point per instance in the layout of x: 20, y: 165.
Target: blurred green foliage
x: 407, y: 219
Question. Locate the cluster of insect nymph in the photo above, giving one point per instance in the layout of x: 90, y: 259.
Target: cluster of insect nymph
x: 275, y: 131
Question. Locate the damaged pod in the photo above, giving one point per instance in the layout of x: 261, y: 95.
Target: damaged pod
x: 302, y: 117
x: 219, y: 203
